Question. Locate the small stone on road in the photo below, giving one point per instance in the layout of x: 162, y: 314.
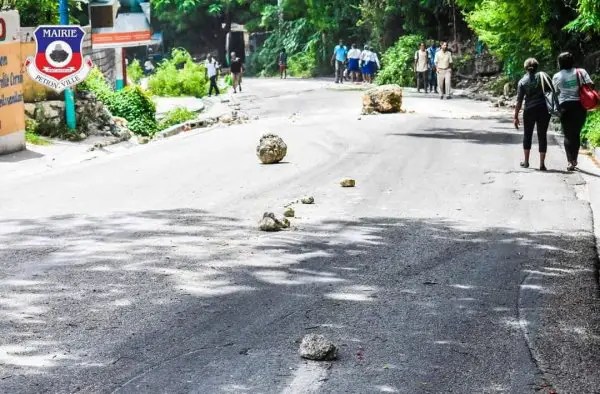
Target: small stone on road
x: 318, y: 348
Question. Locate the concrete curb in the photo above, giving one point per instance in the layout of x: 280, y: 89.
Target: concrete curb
x: 185, y: 126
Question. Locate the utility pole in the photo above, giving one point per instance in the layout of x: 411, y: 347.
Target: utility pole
x: 63, y: 10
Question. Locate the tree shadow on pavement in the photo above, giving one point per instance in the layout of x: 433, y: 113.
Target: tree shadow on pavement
x: 185, y: 300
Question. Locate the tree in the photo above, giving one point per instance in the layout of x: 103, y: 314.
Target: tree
x: 43, y: 12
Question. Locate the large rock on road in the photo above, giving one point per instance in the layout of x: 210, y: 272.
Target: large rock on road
x: 383, y: 99
x: 271, y: 149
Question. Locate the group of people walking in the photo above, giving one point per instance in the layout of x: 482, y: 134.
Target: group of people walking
x: 355, y: 64
x: 564, y: 96
x: 433, y: 69
x: 236, y: 67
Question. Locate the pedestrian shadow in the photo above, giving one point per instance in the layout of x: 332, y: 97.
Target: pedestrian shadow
x: 585, y: 173
x: 463, y: 134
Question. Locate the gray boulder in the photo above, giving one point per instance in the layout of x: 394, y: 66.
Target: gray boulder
x: 318, y: 348
x: 308, y: 200
x: 270, y: 222
x: 271, y: 149
x: 382, y: 99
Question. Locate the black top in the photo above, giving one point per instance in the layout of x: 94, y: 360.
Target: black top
x: 236, y: 66
x: 530, y: 89
x: 283, y: 58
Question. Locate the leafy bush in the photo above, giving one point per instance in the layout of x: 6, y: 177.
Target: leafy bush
x: 398, y: 62
x: 591, y: 130
x: 134, y: 71
x: 304, y: 64
x: 295, y: 36
x: 179, y: 76
x: 96, y: 83
x: 176, y: 116
x: 131, y: 103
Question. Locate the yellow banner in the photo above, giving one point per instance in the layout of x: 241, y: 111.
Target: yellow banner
x: 12, y: 110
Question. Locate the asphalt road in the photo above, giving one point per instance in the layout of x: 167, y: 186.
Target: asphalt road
x: 447, y: 269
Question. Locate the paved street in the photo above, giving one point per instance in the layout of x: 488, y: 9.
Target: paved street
x: 446, y: 269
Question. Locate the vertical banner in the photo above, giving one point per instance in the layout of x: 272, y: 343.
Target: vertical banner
x: 12, y: 109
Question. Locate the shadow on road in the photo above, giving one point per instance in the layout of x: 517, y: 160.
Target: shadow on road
x: 470, y: 135
x: 187, y: 300
x: 20, y: 156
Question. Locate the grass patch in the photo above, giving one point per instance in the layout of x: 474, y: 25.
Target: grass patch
x: 35, y: 139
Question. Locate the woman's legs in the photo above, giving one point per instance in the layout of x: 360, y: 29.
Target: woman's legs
x: 572, y: 121
x: 543, y: 121
x: 528, y: 125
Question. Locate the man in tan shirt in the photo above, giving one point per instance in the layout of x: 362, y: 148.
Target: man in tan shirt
x: 443, y: 64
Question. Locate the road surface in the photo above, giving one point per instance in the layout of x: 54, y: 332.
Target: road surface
x: 446, y: 269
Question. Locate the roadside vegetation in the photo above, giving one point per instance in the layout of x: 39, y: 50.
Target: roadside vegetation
x: 176, y: 116
x: 31, y: 135
x: 179, y: 75
x: 131, y: 103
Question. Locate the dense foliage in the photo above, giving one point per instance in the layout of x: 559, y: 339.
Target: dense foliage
x: 135, y: 71
x: 131, y: 103
x: 179, y: 76
x: 45, y: 12
x: 399, y: 62
x: 591, y: 130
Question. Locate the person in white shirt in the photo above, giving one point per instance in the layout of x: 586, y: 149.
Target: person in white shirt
x: 212, y: 71
x: 421, y: 67
x: 365, y: 63
x: 148, y: 66
x: 375, y: 65
x: 354, y: 63
x: 567, y: 82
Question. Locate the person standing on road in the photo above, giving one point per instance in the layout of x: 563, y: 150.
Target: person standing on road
x: 354, y: 63
x: 531, y: 88
x: 432, y: 77
x: 340, y: 52
x: 282, y: 64
x: 237, y: 68
x: 421, y: 67
x: 567, y: 83
x: 211, y: 72
x: 365, y: 64
x: 443, y: 65
x: 374, y: 64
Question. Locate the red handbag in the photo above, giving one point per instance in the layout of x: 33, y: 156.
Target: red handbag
x: 589, y: 98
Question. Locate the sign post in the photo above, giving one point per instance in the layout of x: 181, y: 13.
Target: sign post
x: 70, y: 118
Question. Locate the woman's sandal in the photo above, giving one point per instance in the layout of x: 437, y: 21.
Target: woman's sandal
x: 543, y: 168
x: 524, y: 164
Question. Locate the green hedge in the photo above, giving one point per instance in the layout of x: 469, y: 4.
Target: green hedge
x: 179, y: 76
x: 590, y: 134
x: 135, y: 71
x: 131, y: 103
x: 398, y: 62
x: 176, y: 116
